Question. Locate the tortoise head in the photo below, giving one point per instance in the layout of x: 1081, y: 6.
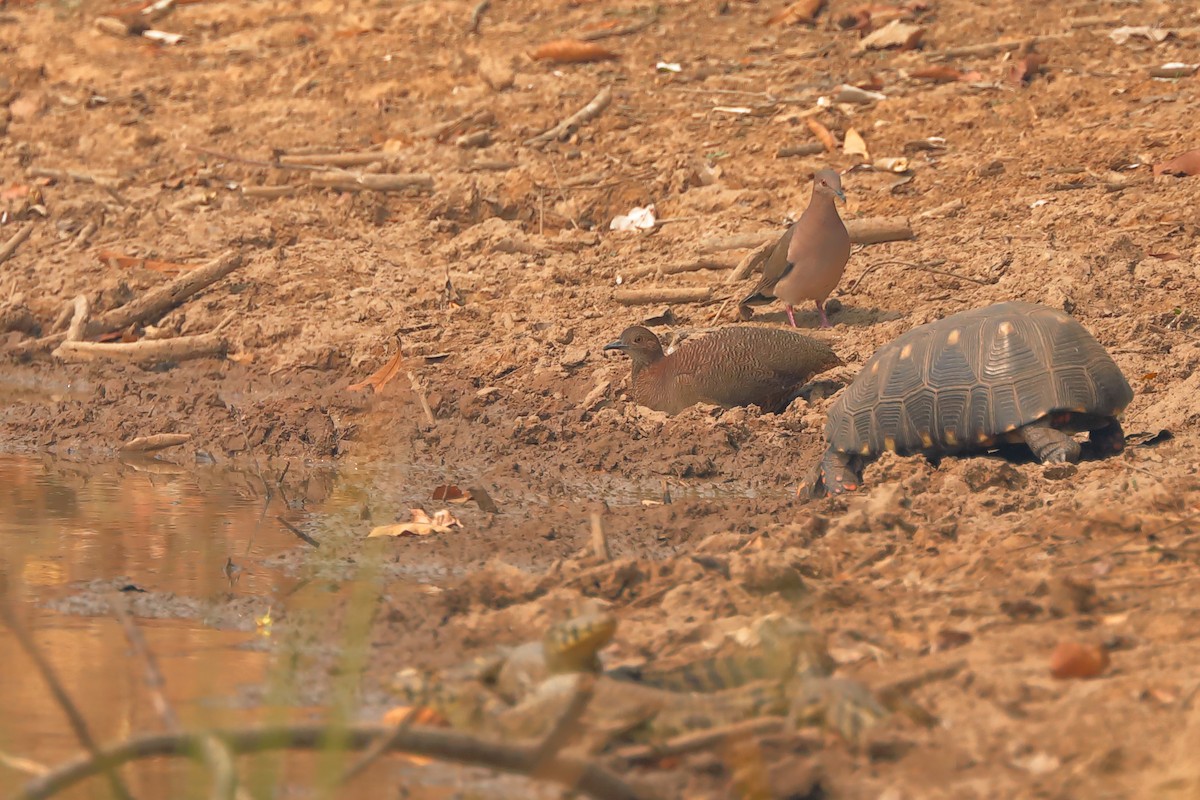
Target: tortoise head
x: 828, y: 183
x: 640, y: 344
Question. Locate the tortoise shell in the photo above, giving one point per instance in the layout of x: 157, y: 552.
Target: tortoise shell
x: 964, y: 382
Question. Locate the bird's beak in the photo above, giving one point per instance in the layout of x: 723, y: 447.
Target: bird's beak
x: 840, y: 195
x: 617, y: 345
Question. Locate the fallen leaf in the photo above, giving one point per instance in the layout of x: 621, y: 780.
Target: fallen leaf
x: 944, y: 74
x: 571, y: 51
x: 1182, y: 166
x: 383, y: 376
x: 853, y: 144
x: 894, y: 34
x: 1149, y: 376
x: 1154, y: 34
x: 1075, y: 660
x: 449, y: 493
x: 802, y: 11
x: 872, y: 84
x: 115, y: 259
x: 16, y: 191
x: 822, y: 133
x: 1024, y: 69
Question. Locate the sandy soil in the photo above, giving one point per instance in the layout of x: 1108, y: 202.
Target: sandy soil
x: 1042, y: 192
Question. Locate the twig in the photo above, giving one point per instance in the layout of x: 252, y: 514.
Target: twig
x: 301, y: 535
x: 419, y: 391
x: 922, y: 267
x: 700, y: 740
x: 332, y: 159
x: 477, y: 16
x: 643, y: 297
x: 14, y: 242
x: 78, y: 724
x: 158, y: 302
x: 214, y: 754
x: 379, y: 749
x: 567, y: 723
x: 875, y: 230
x: 64, y: 175
x: 751, y: 260
x: 944, y: 209
x: 253, y: 162
x: 21, y: 764
x: 371, y: 182
x: 599, y: 540
x: 180, y: 348
x: 591, y: 36
x: 592, y: 780
x: 809, y: 149
x: 675, y: 269
x: 571, y: 124
x: 991, y: 48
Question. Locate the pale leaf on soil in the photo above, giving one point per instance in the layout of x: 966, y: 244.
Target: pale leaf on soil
x: 1184, y: 165
x: 854, y: 145
x: 894, y: 34
x: 802, y: 11
x: 1154, y: 34
x: 571, y: 51
x: 421, y: 524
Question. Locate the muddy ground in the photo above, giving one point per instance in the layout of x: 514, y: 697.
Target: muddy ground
x: 1042, y: 192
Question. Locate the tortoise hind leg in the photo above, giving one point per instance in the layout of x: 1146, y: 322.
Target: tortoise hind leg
x: 1050, y: 445
x: 1108, y: 440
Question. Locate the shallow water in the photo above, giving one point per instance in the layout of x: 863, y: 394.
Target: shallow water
x: 164, y: 529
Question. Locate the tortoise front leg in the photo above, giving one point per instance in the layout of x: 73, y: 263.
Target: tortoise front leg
x: 1050, y: 445
x: 1108, y: 440
x: 834, y: 474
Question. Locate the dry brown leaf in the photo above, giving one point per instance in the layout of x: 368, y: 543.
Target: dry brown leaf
x: 1182, y: 166
x: 571, y: 51
x: 944, y: 74
x: 1075, y: 660
x: 854, y: 145
x: 383, y: 376
x: 15, y: 191
x: 871, y: 84
x: 802, y: 11
x: 244, y: 357
x: 128, y: 262
x: 822, y: 133
x: 449, y: 493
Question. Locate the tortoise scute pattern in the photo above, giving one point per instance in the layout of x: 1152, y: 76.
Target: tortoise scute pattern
x: 961, y: 382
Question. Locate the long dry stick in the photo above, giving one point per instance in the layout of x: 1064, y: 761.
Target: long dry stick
x: 663, y: 294
x: 586, y: 777
x: 74, y: 717
x: 571, y: 124
x: 922, y: 267
x: 10, y: 247
x: 180, y: 348
x: 157, y: 302
x: 214, y: 754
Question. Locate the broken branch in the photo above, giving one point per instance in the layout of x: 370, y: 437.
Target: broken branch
x: 372, y: 182
x: 14, y: 242
x: 181, y: 348
x: 583, y: 776
x: 157, y: 302
x: 643, y: 297
x: 571, y: 124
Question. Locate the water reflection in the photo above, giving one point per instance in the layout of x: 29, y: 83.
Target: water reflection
x: 63, y: 523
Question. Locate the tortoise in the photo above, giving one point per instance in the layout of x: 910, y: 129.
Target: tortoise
x: 1011, y: 372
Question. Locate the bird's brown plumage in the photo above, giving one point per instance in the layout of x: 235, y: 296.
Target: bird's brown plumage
x: 735, y: 366
x: 808, y: 260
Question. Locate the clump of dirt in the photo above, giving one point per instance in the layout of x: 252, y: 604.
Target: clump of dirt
x: 494, y: 271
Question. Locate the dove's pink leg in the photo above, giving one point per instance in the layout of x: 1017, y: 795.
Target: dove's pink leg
x: 791, y: 318
x: 821, y: 312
